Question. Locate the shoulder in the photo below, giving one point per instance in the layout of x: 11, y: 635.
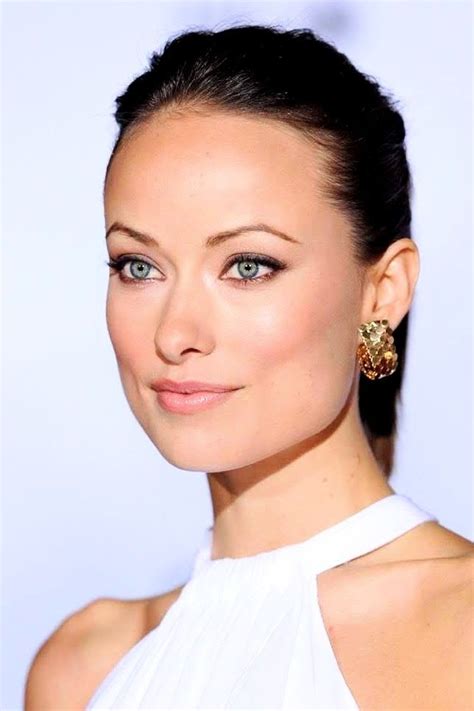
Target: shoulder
x: 442, y: 629
x: 430, y: 568
x: 424, y: 564
x: 436, y: 566
x: 80, y: 652
x: 74, y: 660
x: 410, y: 617
x: 425, y: 610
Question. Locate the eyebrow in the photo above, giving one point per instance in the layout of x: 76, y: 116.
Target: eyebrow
x: 211, y: 241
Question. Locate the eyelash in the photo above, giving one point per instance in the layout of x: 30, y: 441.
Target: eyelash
x: 119, y: 264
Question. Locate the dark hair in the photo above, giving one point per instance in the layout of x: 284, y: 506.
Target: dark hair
x: 297, y: 77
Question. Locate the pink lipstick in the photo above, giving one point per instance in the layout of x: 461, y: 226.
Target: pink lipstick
x: 193, y: 402
x: 190, y: 396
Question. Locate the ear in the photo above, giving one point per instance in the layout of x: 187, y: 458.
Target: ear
x: 389, y: 284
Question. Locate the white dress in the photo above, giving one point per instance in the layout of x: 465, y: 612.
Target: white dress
x: 247, y: 633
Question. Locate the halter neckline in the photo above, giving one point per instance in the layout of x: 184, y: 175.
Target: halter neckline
x: 341, y: 541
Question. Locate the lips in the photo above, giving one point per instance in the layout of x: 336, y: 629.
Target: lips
x: 190, y: 386
x: 186, y: 404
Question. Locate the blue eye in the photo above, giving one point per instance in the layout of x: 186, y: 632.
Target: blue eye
x: 248, y: 269
x: 140, y: 268
x: 118, y: 265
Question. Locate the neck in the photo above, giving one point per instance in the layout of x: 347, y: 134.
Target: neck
x: 293, y: 495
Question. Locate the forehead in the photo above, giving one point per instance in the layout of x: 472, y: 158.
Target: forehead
x: 208, y: 172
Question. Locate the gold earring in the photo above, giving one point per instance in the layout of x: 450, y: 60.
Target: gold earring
x: 376, y: 352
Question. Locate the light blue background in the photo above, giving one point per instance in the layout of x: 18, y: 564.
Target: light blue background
x: 90, y: 508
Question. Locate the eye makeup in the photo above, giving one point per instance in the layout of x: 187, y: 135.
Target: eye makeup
x: 118, y: 266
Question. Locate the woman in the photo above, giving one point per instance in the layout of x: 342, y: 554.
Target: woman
x: 257, y: 205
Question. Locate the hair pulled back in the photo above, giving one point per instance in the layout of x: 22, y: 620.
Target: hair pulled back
x: 297, y: 77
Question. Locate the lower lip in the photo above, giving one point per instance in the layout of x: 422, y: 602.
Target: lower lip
x: 192, y: 402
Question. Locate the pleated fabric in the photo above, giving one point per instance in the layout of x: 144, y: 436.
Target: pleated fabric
x: 247, y: 633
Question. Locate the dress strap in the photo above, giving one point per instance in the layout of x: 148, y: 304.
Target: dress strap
x: 363, y: 532
x: 366, y: 530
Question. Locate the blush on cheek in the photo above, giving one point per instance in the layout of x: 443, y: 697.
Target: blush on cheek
x: 130, y: 348
x: 303, y: 347
x: 131, y: 338
x: 275, y: 329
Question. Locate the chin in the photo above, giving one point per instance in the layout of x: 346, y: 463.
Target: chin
x: 201, y: 457
x: 190, y: 461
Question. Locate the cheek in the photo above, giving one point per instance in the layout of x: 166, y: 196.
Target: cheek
x: 303, y: 350
x: 129, y: 326
x: 313, y: 324
x: 129, y: 330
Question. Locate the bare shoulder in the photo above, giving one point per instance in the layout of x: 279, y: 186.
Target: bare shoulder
x: 437, y: 568
x: 74, y: 660
x: 429, y: 560
x: 409, y: 618
x: 70, y: 664
x: 431, y: 569
x: 438, y: 631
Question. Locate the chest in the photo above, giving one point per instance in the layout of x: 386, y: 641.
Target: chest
x: 388, y: 636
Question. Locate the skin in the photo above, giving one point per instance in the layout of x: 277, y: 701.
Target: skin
x: 286, y: 455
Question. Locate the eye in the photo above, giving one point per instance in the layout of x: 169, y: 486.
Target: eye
x: 139, y: 268
x: 247, y: 266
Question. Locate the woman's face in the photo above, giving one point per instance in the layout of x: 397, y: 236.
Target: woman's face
x: 289, y: 342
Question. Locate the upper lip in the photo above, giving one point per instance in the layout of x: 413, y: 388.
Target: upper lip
x: 190, y: 386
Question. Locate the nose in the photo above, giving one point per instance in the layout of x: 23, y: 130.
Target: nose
x: 184, y: 323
